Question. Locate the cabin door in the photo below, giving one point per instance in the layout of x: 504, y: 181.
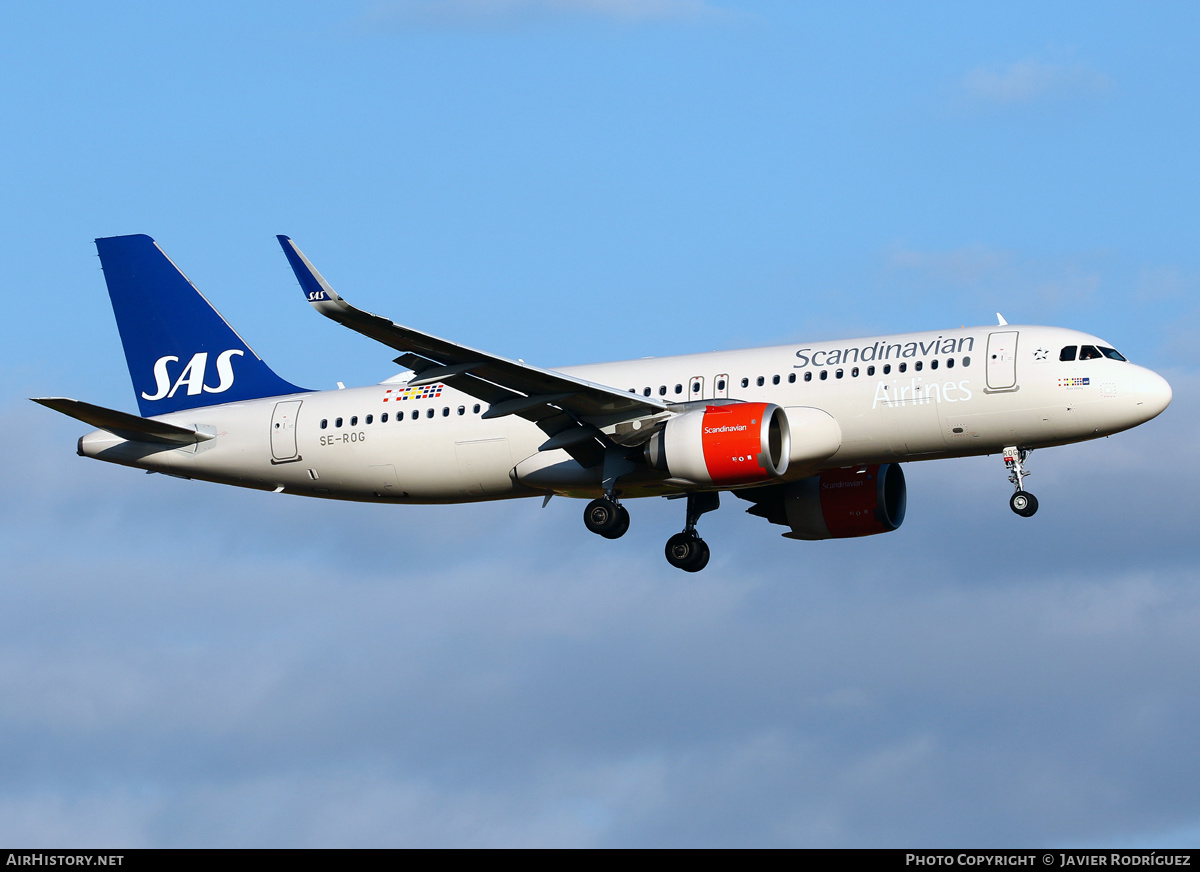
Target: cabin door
x: 283, y: 431
x: 1002, y: 361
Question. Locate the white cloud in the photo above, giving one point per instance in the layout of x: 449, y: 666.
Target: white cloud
x: 1028, y: 80
x: 185, y: 664
x: 999, y: 277
x: 1165, y: 283
x: 965, y: 266
x: 486, y: 14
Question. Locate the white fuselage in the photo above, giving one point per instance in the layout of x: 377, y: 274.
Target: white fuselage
x: 908, y: 397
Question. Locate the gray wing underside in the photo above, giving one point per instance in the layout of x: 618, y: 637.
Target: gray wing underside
x: 569, y: 410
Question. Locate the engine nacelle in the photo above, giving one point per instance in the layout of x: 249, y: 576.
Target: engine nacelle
x: 735, y: 443
x: 842, y: 503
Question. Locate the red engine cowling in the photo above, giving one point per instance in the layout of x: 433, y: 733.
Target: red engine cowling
x: 736, y: 443
x: 842, y: 503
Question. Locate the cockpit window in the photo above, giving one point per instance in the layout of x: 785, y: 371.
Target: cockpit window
x: 1088, y: 352
x: 1069, y: 352
x: 1111, y: 353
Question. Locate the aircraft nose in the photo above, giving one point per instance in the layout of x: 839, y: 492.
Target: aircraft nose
x: 1153, y: 394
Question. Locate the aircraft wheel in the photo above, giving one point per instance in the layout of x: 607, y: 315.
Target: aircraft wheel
x: 1023, y: 503
x: 622, y: 526
x: 688, y: 552
x: 603, y: 516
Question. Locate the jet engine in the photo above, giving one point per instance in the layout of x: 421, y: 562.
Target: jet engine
x: 837, y: 504
x: 730, y: 444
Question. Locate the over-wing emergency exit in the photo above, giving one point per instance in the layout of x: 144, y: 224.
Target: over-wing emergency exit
x: 811, y: 435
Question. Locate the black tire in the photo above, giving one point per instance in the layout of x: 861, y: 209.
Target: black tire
x: 622, y: 526
x: 602, y: 516
x: 687, y: 551
x: 1023, y: 503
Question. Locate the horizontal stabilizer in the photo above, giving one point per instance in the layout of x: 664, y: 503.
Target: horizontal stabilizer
x: 123, y: 424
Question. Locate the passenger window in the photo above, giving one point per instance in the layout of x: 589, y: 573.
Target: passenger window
x: 824, y: 374
x: 745, y: 382
x: 645, y: 392
x: 854, y: 372
x: 370, y: 418
x: 679, y: 389
x: 475, y: 409
x: 870, y: 370
x: 933, y: 363
x: 774, y: 379
x: 445, y: 411
x: 808, y: 376
x: 966, y: 361
x: 791, y: 378
x: 383, y: 418
x: 887, y: 368
x: 903, y: 367
x: 662, y: 390
x: 949, y: 363
x: 415, y: 414
x: 838, y: 373
x: 354, y: 420
x: 720, y: 385
x: 919, y: 364
x: 324, y: 423
x: 429, y: 413
x: 1068, y: 353
x: 759, y: 381
x: 337, y: 422
x: 1088, y: 352
x: 462, y: 410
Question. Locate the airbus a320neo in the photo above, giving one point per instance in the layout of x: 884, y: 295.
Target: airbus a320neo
x: 812, y: 435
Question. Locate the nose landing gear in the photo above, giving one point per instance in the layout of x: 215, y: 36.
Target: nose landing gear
x: 1022, y: 502
x: 686, y: 550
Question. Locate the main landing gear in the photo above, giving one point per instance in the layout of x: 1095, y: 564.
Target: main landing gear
x: 606, y: 517
x: 1022, y: 502
x: 686, y: 550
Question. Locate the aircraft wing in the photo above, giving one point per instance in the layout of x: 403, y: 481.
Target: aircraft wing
x: 558, y: 403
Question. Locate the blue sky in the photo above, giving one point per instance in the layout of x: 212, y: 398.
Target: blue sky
x: 570, y: 181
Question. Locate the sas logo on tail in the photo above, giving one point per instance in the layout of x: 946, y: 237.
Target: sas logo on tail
x: 193, y: 375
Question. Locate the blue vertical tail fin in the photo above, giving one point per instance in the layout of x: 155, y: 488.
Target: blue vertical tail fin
x: 181, y: 353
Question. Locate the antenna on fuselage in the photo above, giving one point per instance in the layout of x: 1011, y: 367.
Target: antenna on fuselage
x: 1000, y: 320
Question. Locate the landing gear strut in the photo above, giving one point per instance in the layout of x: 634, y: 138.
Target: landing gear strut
x: 686, y: 550
x: 606, y: 517
x: 1022, y: 502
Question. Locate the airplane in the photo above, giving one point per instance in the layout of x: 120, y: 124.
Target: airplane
x: 811, y: 434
